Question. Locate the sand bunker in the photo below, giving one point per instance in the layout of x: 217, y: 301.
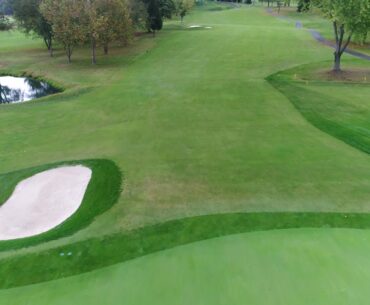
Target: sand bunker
x: 43, y: 201
x: 196, y: 26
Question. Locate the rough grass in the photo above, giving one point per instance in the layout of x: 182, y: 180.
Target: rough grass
x: 338, y: 105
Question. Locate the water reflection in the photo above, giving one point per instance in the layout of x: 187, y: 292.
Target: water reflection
x: 23, y: 89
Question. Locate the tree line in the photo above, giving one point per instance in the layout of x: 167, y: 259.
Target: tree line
x: 96, y: 23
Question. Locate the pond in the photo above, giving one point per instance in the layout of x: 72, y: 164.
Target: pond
x: 23, y: 89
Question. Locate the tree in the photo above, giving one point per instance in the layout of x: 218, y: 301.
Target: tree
x: 167, y: 8
x: 119, y: 26
x: 94, y: 24
x: 303, y: 6
x: 30, y: 19
x: 138, y: 14
x: 66, y: 19
x: 183, y: 7
x: 157, y: 11
x: 349, y: 17
x: 5, y: 23
x: 361, y: 34
x: 106, y: 21
x: 155, y: 18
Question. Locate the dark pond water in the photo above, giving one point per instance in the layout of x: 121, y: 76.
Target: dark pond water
x: 23, y: 89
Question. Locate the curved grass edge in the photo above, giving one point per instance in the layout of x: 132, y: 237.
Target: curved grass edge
x: 104, y: 251
x: 101, y: 194
x: 293, y: 91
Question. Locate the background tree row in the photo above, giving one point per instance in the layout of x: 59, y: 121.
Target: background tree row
x: 96, y: 23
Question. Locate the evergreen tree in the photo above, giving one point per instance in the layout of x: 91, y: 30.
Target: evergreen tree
x: 303, y: 6
x: 155, y: 18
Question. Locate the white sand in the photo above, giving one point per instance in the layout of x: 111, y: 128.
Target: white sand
x: 43, y: 201
x: 196, y: 26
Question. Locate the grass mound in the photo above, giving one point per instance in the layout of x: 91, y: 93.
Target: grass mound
x: 336, y: 103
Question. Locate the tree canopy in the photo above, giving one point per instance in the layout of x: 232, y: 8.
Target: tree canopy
x: 155, y: 17
x: 183, y: 7
x: 30, y: 19
x: 94, y: 22
x: 66, y: 18
x: 97, y: 23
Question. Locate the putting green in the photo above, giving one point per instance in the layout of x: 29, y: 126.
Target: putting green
x: 300, y: 266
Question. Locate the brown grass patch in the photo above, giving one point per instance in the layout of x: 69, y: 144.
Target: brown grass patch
x: 357, y: 75
x: 350, y: 75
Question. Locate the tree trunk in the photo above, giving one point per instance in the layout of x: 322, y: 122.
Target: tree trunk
x: 106, y: 49
x: 337, y: 61
x: 69, y: 53
x: 340, y: 45
x: 51, y: 49
x: 49, y: 44
x: 93, y: 52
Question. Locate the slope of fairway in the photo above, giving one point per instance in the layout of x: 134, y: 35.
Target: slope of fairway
x: 192, y: 123
x: 288, y: 267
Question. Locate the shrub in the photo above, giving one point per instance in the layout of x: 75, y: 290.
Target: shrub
x: 5, y: 23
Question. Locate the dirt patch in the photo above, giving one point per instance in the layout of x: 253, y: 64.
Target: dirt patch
x: 349, y: 75
x: 352, y: 75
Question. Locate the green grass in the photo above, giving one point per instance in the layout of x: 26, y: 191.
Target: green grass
x: 100, y: 252
x: 288, y: 267
x: 315, y: 20
x: 207, y: 134
x: 192, y: 122
x: 341, y: 109
x: 15, y: 40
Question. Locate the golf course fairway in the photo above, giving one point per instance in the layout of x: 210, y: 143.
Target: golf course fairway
x: 224, y: 125
x: 287, y: 267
